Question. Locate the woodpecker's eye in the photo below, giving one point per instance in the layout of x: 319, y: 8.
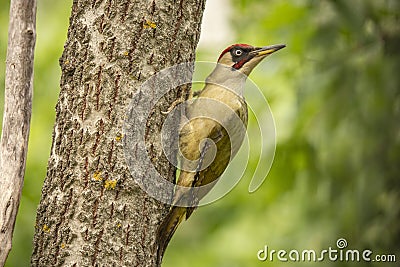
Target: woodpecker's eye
x: 238, y: 52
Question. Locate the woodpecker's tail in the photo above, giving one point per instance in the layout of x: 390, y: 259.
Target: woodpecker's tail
x: 167, y: 230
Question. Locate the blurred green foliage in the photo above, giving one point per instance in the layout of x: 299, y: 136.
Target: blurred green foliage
x: 335, y: 95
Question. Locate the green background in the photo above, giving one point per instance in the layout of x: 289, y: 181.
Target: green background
x: 335, y: 95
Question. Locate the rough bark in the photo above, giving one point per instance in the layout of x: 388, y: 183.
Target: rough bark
x: 92, y: 213
x: 17, y: 115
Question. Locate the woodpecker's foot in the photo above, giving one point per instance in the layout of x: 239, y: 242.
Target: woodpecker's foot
x: 181, y: 100
x: 174, y: 104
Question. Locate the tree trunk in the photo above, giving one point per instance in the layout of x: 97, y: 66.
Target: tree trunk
x: 17, y: 115
x: 92, y: 212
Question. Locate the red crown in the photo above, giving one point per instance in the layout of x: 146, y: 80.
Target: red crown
x: 230, y: 47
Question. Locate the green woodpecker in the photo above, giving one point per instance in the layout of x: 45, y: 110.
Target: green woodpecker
x: 212, y: 132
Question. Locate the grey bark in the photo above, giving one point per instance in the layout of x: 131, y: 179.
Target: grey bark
x: 92, y: 212
x: 17, y: 115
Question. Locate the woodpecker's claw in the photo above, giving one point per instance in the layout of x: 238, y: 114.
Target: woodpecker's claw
x: 174, y: 104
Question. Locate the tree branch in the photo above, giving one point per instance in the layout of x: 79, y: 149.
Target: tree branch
x: 17, y: 115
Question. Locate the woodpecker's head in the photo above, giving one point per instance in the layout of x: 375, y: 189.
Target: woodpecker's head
x: 244, y: 57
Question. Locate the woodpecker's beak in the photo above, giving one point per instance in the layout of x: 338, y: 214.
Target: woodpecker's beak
x: 266, y: 50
